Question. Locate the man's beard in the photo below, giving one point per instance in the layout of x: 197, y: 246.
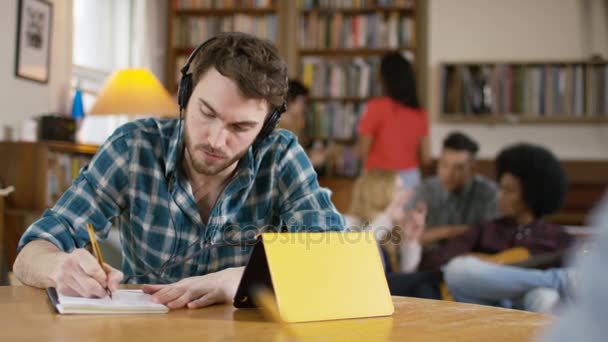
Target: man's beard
x: 210, y: 169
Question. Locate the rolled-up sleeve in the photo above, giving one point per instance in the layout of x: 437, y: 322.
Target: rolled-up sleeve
x: 96, y: 196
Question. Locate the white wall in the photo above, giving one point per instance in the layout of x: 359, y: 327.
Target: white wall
x: 20, y: 98
x: 487, y: 30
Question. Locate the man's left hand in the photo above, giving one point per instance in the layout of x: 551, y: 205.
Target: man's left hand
x: 198, y: 292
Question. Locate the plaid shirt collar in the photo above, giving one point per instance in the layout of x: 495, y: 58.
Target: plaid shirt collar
x: 174, y: 151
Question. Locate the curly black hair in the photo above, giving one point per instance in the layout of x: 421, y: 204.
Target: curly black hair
x: 541, y: 175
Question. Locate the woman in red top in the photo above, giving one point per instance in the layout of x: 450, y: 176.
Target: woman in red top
x: 394, y: 130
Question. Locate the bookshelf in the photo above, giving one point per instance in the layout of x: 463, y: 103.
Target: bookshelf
x: 40, y: 172
x: 348, y: 53
x: 339, y: 46
x: 384, y: 26
x: 524, y: 92
x: 191, y: 22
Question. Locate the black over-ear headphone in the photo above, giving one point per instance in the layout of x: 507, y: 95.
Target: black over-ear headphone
x: 186, y: 86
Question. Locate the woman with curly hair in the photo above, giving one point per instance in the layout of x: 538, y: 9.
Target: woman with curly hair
x: 532, y: 185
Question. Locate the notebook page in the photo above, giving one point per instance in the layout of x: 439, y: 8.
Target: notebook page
x: 122, y: 301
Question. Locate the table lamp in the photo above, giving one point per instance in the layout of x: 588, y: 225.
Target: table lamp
x: 134, y: 91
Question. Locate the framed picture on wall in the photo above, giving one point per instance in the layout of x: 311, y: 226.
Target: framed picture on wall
x: 34, y: 25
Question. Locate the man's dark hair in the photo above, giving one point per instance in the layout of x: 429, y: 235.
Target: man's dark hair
x: 541, y: 175
x: 399, y: 79
x: 253, y: 63
x: 460, y: 142
x: 295, y: 90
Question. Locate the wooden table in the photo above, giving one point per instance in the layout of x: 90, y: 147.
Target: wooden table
x: 25, y: 314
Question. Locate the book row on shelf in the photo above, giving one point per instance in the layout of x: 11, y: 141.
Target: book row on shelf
x: 345, y: 162
x: 340, y: 161
x: 222, y: 4
x: 543, y: 90
x: 62, y: 169
x: 180, y: 61
x: 333, y: 120
x: 191, y: 31
x: 341, y: 78
x: 310, y: 4
x: 370, y: 31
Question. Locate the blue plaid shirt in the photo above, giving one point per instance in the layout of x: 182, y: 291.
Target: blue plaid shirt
x: 135, y: 176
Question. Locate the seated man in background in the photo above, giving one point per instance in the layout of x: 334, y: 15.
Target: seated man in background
x: 456, y: 197
x: 532, y: 185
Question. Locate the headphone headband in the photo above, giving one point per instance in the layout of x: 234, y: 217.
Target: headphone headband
x: 186, y: 67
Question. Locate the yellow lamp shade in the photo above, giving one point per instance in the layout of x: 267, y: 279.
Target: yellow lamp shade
x: 134, y: 91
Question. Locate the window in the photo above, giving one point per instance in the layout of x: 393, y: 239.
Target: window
x: 101, y: 45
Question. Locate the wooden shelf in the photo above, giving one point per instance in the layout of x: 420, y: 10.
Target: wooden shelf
x: 179, y: 51
x: 344, y: 141
x: 341, y: 99
x: 527, y: 63
x: 328, y: 52
x: 361, y: 10
x: 350, y: 141
x: 224, y: 11
x: 64, y: 146
x: 67, y: 147
x: 520, y: 119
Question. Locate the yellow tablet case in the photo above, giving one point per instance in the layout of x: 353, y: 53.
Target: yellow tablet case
x: 318, y: 276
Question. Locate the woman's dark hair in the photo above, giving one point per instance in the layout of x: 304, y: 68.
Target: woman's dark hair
x: 541, y: 175
x: 398, y: 79
x: 296, y: 89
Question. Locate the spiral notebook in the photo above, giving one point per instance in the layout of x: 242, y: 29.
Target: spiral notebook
x: 122, y: 302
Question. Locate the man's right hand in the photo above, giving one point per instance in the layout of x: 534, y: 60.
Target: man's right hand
x: 79, y: 274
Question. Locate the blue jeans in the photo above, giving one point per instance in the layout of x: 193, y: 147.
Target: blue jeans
x: 471, y: 280
x: 410, y: 178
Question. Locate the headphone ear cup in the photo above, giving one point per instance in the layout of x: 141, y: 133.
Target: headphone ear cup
x: 273, y: 120
x: 270, y: 123
x: 185, y: 91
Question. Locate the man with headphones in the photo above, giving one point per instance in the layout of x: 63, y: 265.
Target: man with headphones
x: 186, y: 191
